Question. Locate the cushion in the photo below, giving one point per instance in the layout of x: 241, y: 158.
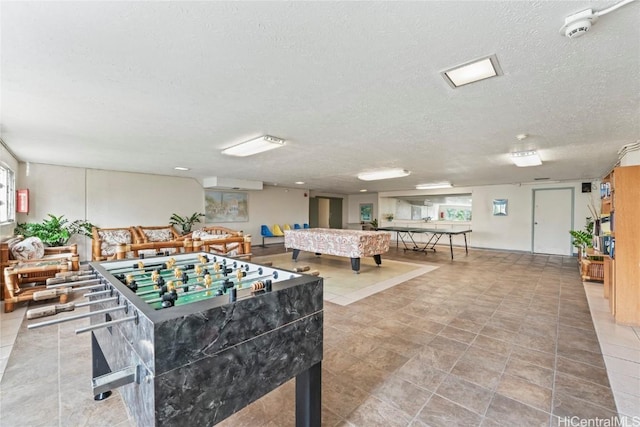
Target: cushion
x: 203, y: 235
x: 231, y: 249
x: 161, y: 235
x: 112, y: 238
x: 29, y: 248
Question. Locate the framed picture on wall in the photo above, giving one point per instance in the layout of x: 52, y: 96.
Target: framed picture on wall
x: 366, y: 212
x: 226, y: 206
x: 500, y: 207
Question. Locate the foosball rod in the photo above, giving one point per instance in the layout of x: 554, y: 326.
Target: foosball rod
x: 52, y: 293
x: 170, y: 270
x: 213, y: 281
x: 75, y: 317
x: 52, y: 281
x: 69, y: 284
x: 163, y: 265
x: 217, y: 279
x: 52, y: 310
x: 106, y: 324
x: 167, y: 275
x: 198, y: 291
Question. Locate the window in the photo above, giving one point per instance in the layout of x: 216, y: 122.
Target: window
x: 7, y: 194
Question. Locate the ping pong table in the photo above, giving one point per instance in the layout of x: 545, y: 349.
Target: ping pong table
x: 405, y: 235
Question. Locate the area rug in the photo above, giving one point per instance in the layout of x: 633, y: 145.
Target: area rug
x: 341, y: 285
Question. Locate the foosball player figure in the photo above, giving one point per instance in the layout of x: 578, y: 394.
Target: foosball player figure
x: 159, y: 283
x: 169, y: 298
x: 155, y: 274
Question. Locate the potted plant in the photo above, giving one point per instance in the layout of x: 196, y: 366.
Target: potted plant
x: 388, y: 217
x: 54, y: 231
x: 185, y: 222
x: 583, y: 239
x: 374, y: 223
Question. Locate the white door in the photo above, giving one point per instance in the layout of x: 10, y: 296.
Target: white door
x: 552, y: 220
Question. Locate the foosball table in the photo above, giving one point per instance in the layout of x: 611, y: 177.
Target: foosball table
x: 194, y: 338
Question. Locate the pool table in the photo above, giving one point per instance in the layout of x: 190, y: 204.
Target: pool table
x: 353, y: 244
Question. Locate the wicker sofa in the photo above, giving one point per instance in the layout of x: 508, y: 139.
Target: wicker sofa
x: 137, y: 241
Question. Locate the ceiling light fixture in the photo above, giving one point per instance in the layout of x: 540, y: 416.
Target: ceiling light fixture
x: 383, y: 174
x: 299, y: 182
x: 364, y: 190
x: 181, y: 168
x: 526, y: 158
x: 254, y: 146
x: 433, y: 185
x: 473, y: 71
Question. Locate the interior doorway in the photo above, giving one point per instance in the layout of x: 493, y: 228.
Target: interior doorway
x: 552, y: 220
x: 325, y: 212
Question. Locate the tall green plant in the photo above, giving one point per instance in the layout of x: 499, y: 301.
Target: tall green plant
x: 54, y: 231
x: 583, y: 238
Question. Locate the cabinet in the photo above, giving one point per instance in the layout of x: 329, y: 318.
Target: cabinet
x: 622, y: 275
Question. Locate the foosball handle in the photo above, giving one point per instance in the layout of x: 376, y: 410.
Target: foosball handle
x: 301, y: 269
x: 51, y: 310
x: 313, y: 273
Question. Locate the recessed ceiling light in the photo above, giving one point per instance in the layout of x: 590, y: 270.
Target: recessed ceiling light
x: 181, y: 168
x: 364, y: 190
x: 526, y: 158
x: 433, y: 185
x: 383, y: 174
x: 473, y: 71
x: 254, y: 146
x: 299, y: 182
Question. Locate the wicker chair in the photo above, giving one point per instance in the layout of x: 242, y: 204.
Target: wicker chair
x: 106, y: 241
x: 160, y: 233
x: 222, y: 241
x: 21, y: 278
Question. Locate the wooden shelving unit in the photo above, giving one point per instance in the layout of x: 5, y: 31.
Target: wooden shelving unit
x: 622, y: 269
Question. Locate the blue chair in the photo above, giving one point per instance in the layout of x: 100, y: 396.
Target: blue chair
x: 305, y: 225
x: 265, y: 231
x: 296, y: 226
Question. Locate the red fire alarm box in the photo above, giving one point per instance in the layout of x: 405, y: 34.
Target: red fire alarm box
x: 22, y: 201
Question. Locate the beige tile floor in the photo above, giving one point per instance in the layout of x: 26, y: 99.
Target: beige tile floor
x: 492, y: 338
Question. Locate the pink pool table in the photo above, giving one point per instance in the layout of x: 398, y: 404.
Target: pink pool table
x: 353, y: 244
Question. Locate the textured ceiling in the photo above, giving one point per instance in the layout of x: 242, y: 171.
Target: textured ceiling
x: 351, y: 86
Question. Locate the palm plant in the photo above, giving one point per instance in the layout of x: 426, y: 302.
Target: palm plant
x: 185, y: 222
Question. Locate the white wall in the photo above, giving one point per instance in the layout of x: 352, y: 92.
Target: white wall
x: 119, y: 199
x: 353, y: 207
x: 273, y: 205
x: 514, y: 231
x: 116, y: 199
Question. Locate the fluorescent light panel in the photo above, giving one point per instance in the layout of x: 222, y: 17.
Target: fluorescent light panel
x: 526, y: 158
x: 254, y: 146
x: 473, y: 71
x: 433, y: 185
x: 383, y: 174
